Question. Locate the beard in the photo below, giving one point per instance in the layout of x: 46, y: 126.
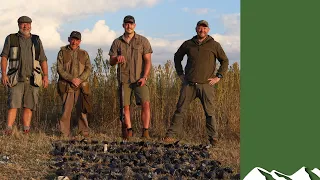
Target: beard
x: 25, y: 32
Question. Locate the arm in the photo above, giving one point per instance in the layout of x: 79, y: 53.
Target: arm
x: 44, y: 67
x: 147, y: 64
x: 87, y: 69
x: 4, y: 61
x: 62, y: 73
x: 4, y: 77
x: 115, y: 58
x: 223, y: 59
x: 178, y: 57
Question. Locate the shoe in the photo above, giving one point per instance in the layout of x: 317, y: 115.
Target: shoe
x: 8, y: 132
x: 26, y: 132
x: 128, y: 133
x: 85, y: 134
x: 213, y: 141
x: 145, y: 133
x: 169, y: 140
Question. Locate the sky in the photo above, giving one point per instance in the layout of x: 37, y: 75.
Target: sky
x: 166, y: 23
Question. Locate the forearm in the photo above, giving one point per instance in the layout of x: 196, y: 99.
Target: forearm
x: 178, y: 65
x: 4, y: 63
x: 44, y: 67
x: 147, y: 64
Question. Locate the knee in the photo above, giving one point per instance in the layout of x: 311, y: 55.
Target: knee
x: 146, y: 105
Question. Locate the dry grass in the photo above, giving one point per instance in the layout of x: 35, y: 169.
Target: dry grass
x: 29, y: 155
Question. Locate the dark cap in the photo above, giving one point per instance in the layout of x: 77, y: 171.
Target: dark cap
x: 75, y: 34
x: 24, y: 19
x: 203, y: 23
x: 129, y: 19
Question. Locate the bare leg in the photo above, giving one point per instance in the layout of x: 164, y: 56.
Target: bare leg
x: 127, y: 119
x: 12, y: 113
x: 145, y: 115
x: 26, y: 117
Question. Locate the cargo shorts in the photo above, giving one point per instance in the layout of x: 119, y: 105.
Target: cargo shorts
x: 23, y: 95
x: 141, y: 93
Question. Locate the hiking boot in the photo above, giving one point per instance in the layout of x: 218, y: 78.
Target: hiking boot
x: 128, y: 133
x: 26, y: 132
x: 213, y: 141
x: 85, y: 134
x: 145, y: 133
x: 169, y: 139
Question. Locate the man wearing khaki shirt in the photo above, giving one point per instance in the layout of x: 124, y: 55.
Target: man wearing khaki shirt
x: 21, y: 51
x: 135, y: 62
x: 74, y: 69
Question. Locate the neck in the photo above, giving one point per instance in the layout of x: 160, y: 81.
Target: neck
x: 201, y: 39
x: 128, y: 36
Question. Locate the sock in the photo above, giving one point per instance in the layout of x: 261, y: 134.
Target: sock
x: 9, y: 127
x: 26, y: 128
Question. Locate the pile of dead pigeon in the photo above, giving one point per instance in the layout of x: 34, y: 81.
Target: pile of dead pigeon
x: 135, y: 160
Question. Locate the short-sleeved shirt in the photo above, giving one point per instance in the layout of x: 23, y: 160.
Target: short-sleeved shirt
x: 26, y: 65
x: 133, y: 52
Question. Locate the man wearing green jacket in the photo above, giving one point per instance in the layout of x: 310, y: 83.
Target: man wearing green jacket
x: 198, y: 78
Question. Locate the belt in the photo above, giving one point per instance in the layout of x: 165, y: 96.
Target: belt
x: 192, y: 83
x: 21, y: 79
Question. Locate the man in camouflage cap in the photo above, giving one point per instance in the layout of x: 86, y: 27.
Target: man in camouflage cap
x: 198, y: 79
x: 22, y: 51
x: 132, y: 52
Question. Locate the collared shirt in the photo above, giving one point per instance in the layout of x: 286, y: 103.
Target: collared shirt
x: 26, y: 65
x: 133, y: 52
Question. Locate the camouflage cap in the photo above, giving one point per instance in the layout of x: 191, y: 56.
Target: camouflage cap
x: 24, y: 19
x: 129, y: 19
x: 75, y: 34
x: 203, y: 23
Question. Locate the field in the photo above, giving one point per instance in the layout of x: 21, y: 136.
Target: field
x: 27, y: 157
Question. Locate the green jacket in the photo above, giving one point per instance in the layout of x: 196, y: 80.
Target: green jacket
x: 201, y: 62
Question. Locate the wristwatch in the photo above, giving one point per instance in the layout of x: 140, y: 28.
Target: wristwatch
x: 219, y: 75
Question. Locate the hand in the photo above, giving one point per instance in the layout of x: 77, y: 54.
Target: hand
x: 142, y: 81
x: 213, y: 81
x: 120, y: 59
x: 76, y: 81
x: 45, y: 81
x: 181, y: 77
x: 5, y: 80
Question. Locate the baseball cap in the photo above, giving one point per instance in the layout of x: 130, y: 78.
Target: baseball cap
x: 75, y: 34
x: 128, y: 19
x: 203, y: 23
x: 24, y: 19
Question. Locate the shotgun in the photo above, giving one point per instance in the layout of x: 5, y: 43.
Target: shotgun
x: 121, y: 98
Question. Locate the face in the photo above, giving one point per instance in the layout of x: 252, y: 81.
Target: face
x: 202, y: 31
x: 129, y: 27
x: 74, y: 43
x: 25, y: 28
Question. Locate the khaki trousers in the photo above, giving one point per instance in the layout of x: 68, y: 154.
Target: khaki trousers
x: 70, y: 100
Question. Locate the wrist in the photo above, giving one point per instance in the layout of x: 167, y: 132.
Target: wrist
x: 145, y: 77
x: 218, y: 75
